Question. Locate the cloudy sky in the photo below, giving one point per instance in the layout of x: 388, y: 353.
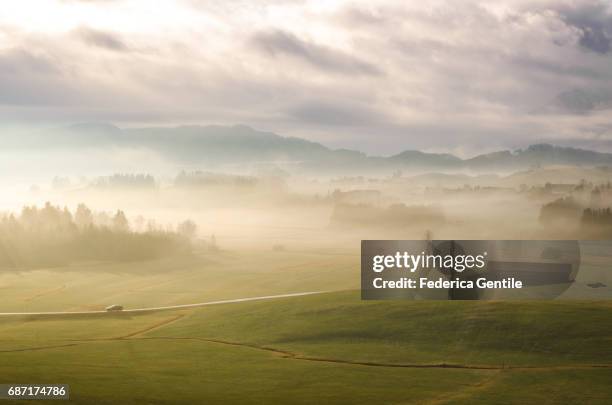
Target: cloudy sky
x: 379, y: 76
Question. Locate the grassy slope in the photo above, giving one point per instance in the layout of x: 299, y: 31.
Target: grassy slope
x: 147, y: 367
x: 121, y: 359
x: 341, y: 326
x: 170, y: 372
x: 173, y: 281
x: 102, y: 367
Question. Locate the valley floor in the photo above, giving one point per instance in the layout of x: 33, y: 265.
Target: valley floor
x: 324, y: 348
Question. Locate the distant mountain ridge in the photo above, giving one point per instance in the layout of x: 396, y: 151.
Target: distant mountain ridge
x: 215, y: 145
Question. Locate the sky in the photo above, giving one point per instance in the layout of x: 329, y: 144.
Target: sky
x: 380, y: 76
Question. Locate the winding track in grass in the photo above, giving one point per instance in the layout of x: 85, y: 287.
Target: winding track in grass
x: 295, y: 356
x: 285, y: 354
x: 159, y: 309
x: 282, y: 353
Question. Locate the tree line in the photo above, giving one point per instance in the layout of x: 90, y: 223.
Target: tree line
x: 54, y: 236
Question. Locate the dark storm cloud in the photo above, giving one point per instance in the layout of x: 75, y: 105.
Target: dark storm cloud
x: 593, y: 20
x: 101, y: 39
x: 325, y: 58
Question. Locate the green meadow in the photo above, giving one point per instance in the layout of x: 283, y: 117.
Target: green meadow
x: 325, y: 348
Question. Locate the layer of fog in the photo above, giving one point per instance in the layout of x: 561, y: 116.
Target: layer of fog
x: 299, y: 212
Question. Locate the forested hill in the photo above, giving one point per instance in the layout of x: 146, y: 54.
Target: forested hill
x: 222, y: 145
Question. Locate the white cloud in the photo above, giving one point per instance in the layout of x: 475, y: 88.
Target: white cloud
x: 376, y: 75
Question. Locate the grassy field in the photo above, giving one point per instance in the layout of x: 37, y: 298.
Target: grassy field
x: 340, y: 326
x: 177, y: 280
x: 326, y: 348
